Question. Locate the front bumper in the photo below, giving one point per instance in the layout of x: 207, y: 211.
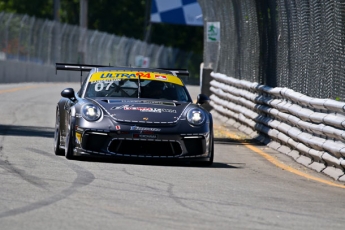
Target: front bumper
x: 127, y: 143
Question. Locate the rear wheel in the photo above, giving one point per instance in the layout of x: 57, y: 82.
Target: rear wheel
x: 57, y: 149
x: 69, y: 145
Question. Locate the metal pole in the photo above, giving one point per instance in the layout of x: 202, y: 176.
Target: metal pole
x: 56, y: 33
x: 83, y: 13
x: 83, y: 25
x: 57, y: 10
x: 31, y: 37
x: 50, y: 42
x: 147, y: 25
x: 7, y: 50
x: 147, y: 18
x: 20, y: 40
x: 70, y: 43
x: 42, y: 42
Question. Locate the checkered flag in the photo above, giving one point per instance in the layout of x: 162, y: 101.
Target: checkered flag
x: 183, y: 12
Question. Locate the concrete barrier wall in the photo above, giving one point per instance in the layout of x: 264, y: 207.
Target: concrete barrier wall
x: 17, y: 71
x: 310, y: 130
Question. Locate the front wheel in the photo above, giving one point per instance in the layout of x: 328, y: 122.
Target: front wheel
x: 57, y: 149
x: 70, y: 139
x: 209, y: 162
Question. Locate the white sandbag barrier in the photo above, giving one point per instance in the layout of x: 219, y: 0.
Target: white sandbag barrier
x: 310, y: 130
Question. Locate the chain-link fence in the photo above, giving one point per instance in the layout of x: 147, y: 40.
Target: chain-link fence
x: 298, y: 44
x: 45, y: 42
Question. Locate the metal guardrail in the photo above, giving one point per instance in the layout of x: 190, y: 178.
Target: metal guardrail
x: 279, y: 76
x: 311, y: 130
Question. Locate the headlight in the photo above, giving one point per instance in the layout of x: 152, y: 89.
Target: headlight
x: 196, y: 116
x: 91, y: 112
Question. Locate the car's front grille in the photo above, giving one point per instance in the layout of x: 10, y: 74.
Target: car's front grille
x: 145, y: 148
x: 195, y: 146
x: 95, y: 142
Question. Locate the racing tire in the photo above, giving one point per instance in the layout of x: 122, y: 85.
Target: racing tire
x: 57, y: 150
x: 210, y: 161
x: 69, y: 145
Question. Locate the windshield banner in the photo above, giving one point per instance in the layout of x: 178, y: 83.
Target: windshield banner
x: 109, y: 76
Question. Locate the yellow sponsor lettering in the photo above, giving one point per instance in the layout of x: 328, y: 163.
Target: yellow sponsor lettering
x: 117, y: 75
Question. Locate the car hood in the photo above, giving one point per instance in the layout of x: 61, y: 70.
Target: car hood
x: 144, y: 111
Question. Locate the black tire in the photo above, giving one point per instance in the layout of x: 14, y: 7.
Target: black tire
x: 210, y: 161
x: 69, y: 144
x: 57, y: 150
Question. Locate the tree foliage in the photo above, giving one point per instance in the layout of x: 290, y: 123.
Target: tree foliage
x: 37, y: 8
x: 120, y: 17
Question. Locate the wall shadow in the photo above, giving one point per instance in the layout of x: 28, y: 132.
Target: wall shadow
x: 229, y: 141
x: 29, y: 131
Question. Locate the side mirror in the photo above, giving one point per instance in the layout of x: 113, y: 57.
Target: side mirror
x: 68, y: 93
x: 202, y: 98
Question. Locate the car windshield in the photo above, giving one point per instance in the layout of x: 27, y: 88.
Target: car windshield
x: 129, y: 88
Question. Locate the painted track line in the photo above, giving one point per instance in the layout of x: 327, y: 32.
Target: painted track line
x: 274, y: 161
x: 38, y: 85
x: 19, y: 88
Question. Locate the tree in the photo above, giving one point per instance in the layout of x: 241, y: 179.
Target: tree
x: 37, y: 8
x: 122, y: 18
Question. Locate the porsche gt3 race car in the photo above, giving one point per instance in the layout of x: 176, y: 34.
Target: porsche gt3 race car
x: 132, y: 113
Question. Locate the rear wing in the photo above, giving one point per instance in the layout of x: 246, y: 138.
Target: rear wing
x: 177, y: 72
x: 86, y: 68
x: 76, y: 67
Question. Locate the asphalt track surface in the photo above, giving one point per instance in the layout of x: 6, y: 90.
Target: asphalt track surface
x: 242, y: 190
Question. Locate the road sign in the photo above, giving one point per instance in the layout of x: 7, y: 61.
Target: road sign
x: 213, y: 31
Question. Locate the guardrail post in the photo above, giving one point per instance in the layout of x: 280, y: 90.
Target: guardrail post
x: 205, y: 79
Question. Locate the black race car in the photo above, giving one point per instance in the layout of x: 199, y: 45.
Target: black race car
x: 134, y: 113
